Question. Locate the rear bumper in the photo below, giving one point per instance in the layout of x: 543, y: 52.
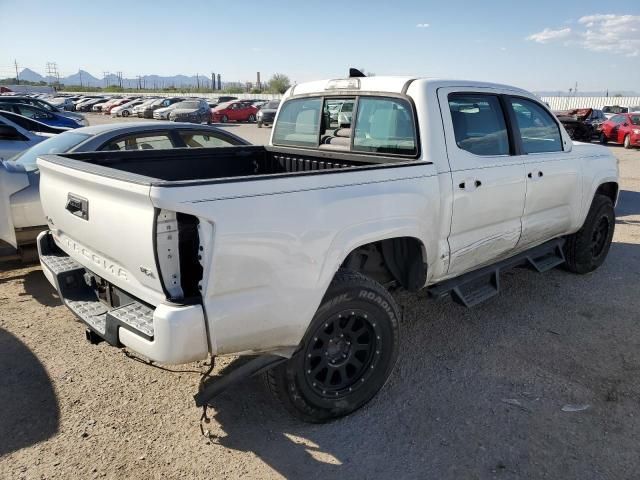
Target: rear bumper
x: 164, y: 333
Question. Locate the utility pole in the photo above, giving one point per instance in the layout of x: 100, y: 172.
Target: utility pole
x: 213, y: 82
x: 52, y: 72
x: 104, y: 79
x: 219, y: 83
x: 80, y: 72
x: 198, y: 80
x: 120, y: 79
x: 15, y: 62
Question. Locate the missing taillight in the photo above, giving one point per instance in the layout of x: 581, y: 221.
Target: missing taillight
x: 177, y: 247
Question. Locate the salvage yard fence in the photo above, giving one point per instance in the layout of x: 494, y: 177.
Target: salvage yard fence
x: 566, y: 103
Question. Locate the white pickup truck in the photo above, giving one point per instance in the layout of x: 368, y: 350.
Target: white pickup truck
x: 287, y: 252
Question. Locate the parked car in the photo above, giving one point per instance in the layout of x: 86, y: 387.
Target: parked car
x: 87, y: 105
x: 224, y: 99
x: 611, y: 110
x: 623, y: 129
x: 164, y: 112
x: 192, y: 111
x: 127, y: 108
x: 103, y: 106
x: 582, y: 124
x: 285, y: 250
x: 106, y: 109
x: 50, y: 118
x: 36, y: 102
x: 20, y: 199
x: 236, y: 111
x: 64, y: 103
x: 149, y: 109
x: 18, y: 133
x: 634, y: 109
x: 267, y: 113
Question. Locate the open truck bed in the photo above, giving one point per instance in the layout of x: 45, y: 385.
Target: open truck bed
x: 184, y: 166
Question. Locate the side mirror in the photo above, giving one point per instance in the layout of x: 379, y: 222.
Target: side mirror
x: 7, y: 132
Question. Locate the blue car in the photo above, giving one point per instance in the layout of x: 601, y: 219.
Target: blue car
x: 53, y: 119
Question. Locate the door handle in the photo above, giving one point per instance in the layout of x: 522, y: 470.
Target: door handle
x: 470, y: 184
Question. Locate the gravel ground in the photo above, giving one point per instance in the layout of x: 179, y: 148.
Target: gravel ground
x: 476, y: 394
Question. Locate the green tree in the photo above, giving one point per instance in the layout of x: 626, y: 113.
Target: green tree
x: 279, y: 83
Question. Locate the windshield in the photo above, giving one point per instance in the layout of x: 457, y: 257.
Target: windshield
x: 273, y: 104
x: 58, y: 144
x: 186, y: 105
x: 615, y: 109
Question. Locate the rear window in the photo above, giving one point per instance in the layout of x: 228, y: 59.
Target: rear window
x: 383, y: 125
x: 299, y: 123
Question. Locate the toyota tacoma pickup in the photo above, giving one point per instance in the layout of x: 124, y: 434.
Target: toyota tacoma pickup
x: 287, y: 252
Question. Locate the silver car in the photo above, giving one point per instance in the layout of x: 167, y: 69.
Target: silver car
x: 24, y: 218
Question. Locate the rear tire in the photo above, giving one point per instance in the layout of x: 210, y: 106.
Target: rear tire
x: 587, y: 249
x: 603, y: 139
x: 224, y: 119
x: 347, y: 354
x: 125, y: 113
x: 252, y: 118
x: 627, y: 142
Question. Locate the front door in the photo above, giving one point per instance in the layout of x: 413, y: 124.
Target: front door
x: 553, y: 193
x: 488, y: 180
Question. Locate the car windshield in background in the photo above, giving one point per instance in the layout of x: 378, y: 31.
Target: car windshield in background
x: 615, y: 109
x: 273, y: 104
x: 58, y: 144
x: 187, y: 105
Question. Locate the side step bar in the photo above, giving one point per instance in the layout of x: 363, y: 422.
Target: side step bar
x: 475, y: 287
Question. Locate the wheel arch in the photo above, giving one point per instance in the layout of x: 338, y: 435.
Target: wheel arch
x: 401, y: 259
x: 609, y: 189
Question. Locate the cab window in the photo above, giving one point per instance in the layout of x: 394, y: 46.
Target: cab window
x: 383, y: 125
x: 479, y: 124
x: 539, y: 132
x: 298, y: 123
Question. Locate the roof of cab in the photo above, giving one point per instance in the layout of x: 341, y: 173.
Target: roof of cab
x: 391, y: 84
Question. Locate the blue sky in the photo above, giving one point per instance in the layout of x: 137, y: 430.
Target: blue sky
x: 542, y: 45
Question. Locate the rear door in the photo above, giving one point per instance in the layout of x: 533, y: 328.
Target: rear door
x: 553, y: 193
x: 488, y: 181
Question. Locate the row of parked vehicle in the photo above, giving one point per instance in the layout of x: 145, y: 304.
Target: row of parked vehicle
x: 615, y: 124
x: 177, y: 108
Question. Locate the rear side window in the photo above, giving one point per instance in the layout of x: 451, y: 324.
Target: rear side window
x: 298, y: 123
x: 478, y: 124
x: 383, y: 125
x: 140, y: 142
x: 538, y: 130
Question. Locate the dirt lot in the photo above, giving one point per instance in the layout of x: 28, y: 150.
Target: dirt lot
x: 476, y: 394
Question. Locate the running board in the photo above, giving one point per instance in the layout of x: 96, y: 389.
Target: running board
x: 480, y: 285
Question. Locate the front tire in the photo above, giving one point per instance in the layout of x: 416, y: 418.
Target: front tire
x: 587, y: 249
x: 627, y: 142
x: 224, y: 119
x: 125, y: 113
x: 347, y: 354
x: 259, y: 124
x: 252, y: 118
x: 603, y: 139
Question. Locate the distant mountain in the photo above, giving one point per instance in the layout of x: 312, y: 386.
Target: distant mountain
x: 30, y: 76
x: 83, y: 77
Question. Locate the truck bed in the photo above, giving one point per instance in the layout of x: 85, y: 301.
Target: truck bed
x: 188, y: 165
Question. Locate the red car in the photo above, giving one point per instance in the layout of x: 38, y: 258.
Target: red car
x: 237, y: 111
x: 623, y: 128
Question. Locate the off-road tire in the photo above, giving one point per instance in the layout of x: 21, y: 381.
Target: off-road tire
x: 353, y: 303
x: 587, y: 249
x: 627, y: 142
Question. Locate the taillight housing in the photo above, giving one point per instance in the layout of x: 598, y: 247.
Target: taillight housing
x: 178, y: 255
